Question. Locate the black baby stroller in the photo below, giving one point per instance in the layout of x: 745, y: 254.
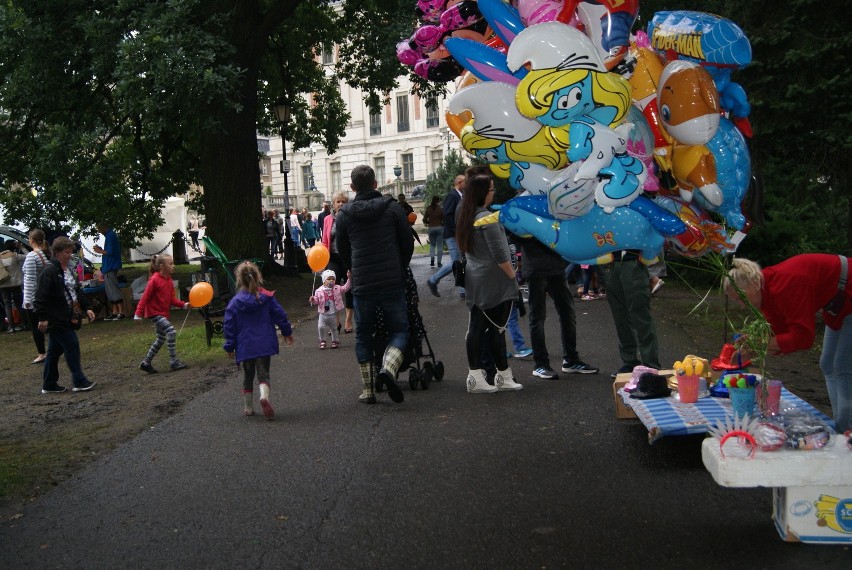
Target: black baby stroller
x: 419, y: 373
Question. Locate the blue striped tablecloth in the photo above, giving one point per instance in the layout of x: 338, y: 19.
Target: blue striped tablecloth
x: 667, y: 416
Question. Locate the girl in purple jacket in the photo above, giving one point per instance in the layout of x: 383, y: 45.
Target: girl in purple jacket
x: 249, y: 331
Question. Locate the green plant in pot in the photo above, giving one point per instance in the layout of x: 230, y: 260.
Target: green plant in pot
x: 755, y: 333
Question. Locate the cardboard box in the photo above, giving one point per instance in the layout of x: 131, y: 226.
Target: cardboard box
x: 819, y: 514
x: 621, y: 411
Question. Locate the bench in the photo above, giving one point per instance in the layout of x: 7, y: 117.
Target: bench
x: 228, y: 265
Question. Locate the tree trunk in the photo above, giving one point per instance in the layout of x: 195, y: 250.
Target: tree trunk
x: 229, y: 169
x: 232, y: 193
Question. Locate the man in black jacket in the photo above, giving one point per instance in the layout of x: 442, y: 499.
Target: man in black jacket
x: 451, y: 202
x: 375, y: 242
x: 544, y: 271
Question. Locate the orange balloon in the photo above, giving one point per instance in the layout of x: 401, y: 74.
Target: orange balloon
x: 412, y: 217
x: 318, y: 257
x: 201, y: 294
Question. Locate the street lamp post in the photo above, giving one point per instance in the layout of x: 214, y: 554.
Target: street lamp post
x: 282, y: 113
x: 397, y: 171
x: 447, y: 135
x: 311, y: 187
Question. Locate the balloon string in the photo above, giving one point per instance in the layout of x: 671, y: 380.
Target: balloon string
x: 184, y: 321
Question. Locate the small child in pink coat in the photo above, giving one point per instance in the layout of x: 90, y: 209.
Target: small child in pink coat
x: 329, y: 300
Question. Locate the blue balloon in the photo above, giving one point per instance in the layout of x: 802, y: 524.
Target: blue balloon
x: 486, y: 63
x: 503, y: 19
x: 699, y: 37
x: 589, y: 239
x: 733, y: 173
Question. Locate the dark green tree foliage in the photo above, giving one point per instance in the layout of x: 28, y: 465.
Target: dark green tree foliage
x: 798, y: 86
x: 109, y: 108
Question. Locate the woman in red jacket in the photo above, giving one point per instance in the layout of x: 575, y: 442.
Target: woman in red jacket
x: 789, y: 295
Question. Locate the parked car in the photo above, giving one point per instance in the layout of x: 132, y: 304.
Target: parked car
x: 8, y: 232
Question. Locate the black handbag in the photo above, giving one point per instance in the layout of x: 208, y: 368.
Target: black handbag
x: 459, y: 266
x: 76, y: 316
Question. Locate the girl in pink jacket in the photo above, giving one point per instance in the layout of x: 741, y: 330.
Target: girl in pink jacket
x: 329, y: 301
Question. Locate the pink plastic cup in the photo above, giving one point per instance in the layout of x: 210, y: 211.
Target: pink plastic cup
x: 687, y: 389
x: 773, y: 398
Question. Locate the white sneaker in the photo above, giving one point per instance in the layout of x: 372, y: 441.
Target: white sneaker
x: 476, y: 383
x: 505, y: 381
x: 657, y: 286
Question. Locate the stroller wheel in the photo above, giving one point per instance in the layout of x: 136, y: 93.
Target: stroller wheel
x: 438, y: 372
x: 428, y: 372
x: 424, y: 380
x: 413, y: 378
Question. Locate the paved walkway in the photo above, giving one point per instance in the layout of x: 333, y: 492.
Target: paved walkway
x: 545, y: 477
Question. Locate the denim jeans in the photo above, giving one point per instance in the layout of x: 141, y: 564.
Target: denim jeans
x: 436, y: 243
x: 836, y: 364
x: 62, y: 341
x: 448, y: 267
x: 296, y: 234
x: 514, y: 329
x: 392, y: 302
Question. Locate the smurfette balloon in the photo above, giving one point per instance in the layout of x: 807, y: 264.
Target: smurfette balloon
x: 499, y: 134
x: 568, y: 78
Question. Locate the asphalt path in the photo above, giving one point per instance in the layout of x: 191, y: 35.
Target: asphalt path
x: 541, y: 478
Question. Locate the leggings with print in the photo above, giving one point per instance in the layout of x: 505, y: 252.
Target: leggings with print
x: 165, y: 334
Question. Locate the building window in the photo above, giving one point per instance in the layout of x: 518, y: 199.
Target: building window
x: 432, y: 118
x: 336, y: 185
x: 375, y: 124
x: 437, y: 159
x: 408, y: 166
x: 306, y: 177
x: 264, y: 166
x: 327, y: 55
x: 402, y: 113
x: 379, y: 168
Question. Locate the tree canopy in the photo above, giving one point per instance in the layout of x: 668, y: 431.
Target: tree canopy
x: 109, y: 108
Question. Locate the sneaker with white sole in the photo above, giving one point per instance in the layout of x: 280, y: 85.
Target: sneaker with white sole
x: 523, y: 353
x: 578, y: 367
x: 84, y: 387
x: 545, y: 372
x: 55, y: 389
x: 178, y: 365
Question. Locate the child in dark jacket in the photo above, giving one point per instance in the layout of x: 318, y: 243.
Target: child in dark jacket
x: 158, y: 298
x: 249, y: 331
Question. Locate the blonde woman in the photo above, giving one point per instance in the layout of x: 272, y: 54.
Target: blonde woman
x: 789, y: 295
x: 335, y: 263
